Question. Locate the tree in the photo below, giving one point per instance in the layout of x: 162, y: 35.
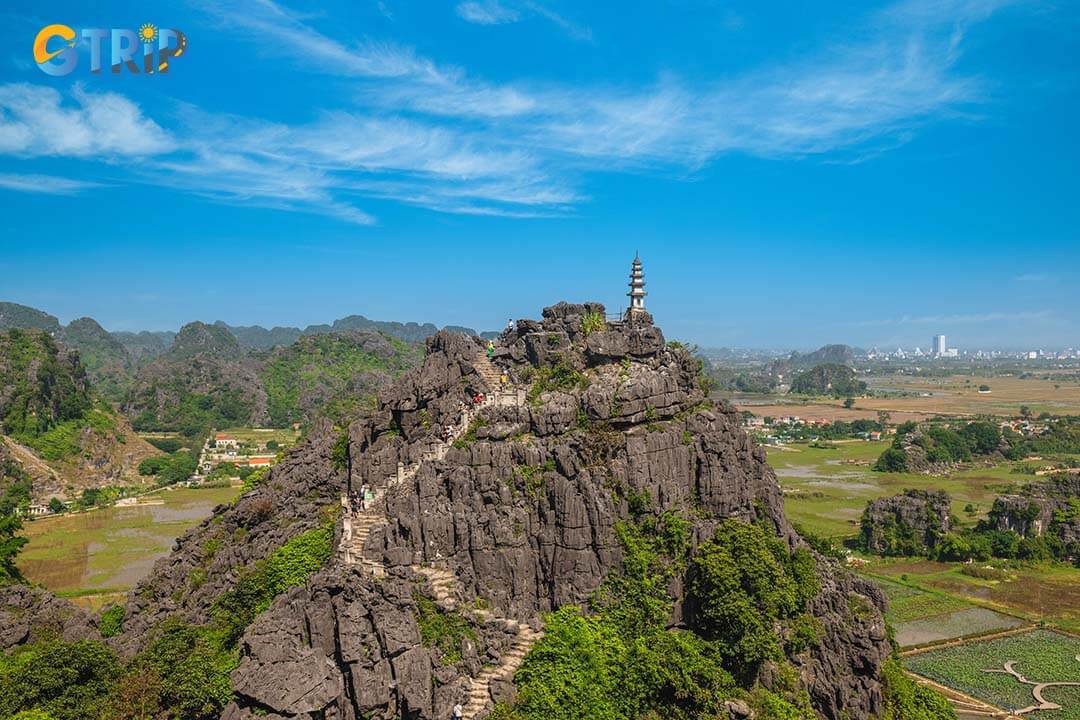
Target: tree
x: 892, y: 460
x: 883, y: 417
x: 849, y: 403
x: 55, y: 506
x: 11, y: 543
x: 1025, y: 412
x: 743, y: 582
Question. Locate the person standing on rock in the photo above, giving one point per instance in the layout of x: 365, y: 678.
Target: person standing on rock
x: 456, y: 714
x: 363, y: 497
x: 490, y: 349
x: 510, y: 325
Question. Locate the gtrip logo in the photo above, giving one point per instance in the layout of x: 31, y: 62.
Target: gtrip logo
x: 149, y: 47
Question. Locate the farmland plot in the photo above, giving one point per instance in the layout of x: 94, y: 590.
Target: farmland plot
x: 1025, y: 673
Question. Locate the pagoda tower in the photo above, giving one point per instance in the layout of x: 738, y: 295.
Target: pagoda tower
x: 637, y: 287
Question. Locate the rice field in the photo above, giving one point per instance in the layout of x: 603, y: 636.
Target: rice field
x: 95, y: 555
x: 1038, y: 660
x: 919, y: 617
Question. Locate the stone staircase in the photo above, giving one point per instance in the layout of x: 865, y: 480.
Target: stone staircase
x: 359, y: 524
x: 480, y: 690
x: 442, y: 582
x: 488, y: 372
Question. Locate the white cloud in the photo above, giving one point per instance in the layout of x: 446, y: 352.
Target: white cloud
x: 35, y: 121
x: 46, y: 184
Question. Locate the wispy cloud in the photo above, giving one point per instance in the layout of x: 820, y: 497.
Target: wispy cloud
x: 487, y: 12
x: 1034, y: 279
x: 46, y: 184
x: 430, y: 134
x: 503, y: 12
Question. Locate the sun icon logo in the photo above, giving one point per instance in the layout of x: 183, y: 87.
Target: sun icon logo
x: 148, y: 32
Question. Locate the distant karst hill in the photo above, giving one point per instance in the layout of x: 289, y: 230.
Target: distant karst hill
x: 828, y: 379
x: 113, y: 358
x: 53, y: 424
x: 206, y: 380
x: 825, y: 355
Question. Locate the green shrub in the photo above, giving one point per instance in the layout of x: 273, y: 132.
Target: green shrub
x: 442, y: 629
x: 558, y: 377
x: 743, y: 583
x: 69, y: 681
x: 258, y: 585
x: 907, y: 700
x: 112, y: 621
x: 892, y: 460
x: 592, y: 322
x: 339, y: 455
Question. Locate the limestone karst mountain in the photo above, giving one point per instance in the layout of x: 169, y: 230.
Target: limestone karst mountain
x: 53, y: 426
x: 491, y: 514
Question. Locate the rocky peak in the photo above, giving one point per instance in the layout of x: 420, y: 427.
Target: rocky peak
x: 570, y: 420
x: 908, y: 523
x: 198, y: 338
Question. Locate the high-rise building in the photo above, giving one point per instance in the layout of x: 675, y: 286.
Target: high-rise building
x: 937, y: 346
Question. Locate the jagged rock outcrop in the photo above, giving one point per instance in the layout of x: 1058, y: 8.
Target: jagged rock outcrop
x: 1048, y: 506
x: 28, y: 614
x: 520, y: 513
x: 906, y: 524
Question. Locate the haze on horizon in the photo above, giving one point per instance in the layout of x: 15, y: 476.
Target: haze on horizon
x: 792, y: 176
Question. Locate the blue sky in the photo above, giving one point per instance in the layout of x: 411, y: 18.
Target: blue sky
x: 792, y: 173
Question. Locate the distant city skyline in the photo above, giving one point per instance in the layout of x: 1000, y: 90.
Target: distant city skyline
x: 792, y: 175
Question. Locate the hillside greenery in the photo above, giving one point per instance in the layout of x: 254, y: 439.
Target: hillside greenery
x: 622, y: 662
x: 41, y: 386
x: 939, y: 443
x: 332, y: 376
x: 46, y: 401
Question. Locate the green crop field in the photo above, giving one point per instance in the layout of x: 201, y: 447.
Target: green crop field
x: 1041, y: 656
x: 1043, y: 591
x: 260, y: 436
x: 106, y: 551
x: 826, y: 490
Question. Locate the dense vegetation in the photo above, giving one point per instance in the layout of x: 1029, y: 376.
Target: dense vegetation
x: 828, y: 379
x: 170, y: 469
x: 205, y: 382
x: 622, y: 661
x: 14, y: 498
x: 1062, y: 435
x: 40, y: 386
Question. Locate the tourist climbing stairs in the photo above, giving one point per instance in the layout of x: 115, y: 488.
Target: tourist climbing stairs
x: 488, y: 372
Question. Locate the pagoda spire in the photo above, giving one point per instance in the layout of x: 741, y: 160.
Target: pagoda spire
x: 637, y: 286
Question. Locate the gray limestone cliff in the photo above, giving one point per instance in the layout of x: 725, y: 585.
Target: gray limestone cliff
x: 519, y: 515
